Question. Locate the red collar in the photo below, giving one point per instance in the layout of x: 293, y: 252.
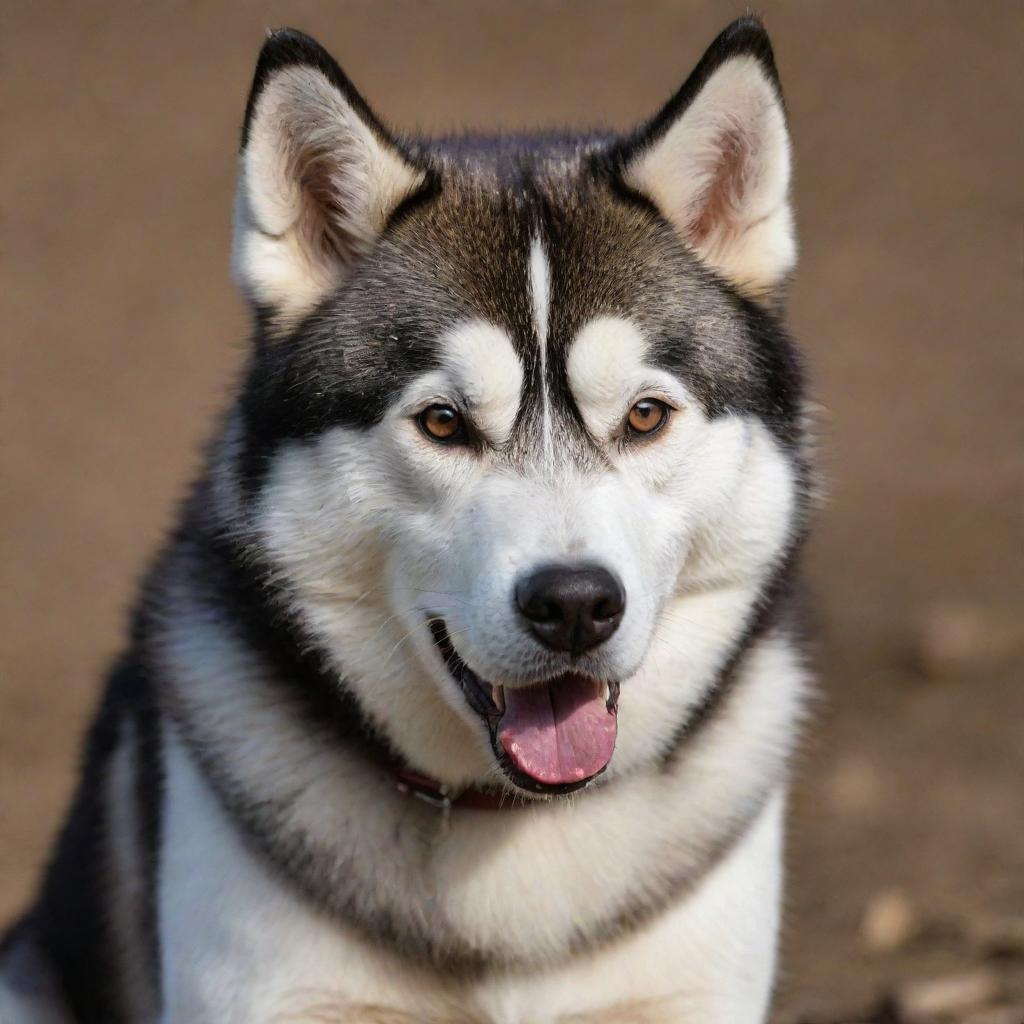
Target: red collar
x: 473, y: 798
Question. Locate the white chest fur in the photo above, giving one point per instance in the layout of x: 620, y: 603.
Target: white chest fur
x: 240, y: 945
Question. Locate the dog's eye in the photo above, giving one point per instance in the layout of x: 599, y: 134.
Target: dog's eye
x: 647, y: 416
x: 442, y: 423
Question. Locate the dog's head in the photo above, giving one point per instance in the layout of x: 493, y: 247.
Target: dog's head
x: 520, y: 437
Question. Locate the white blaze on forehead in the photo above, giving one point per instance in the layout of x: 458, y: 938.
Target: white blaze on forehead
x: 481, y: 362
x: 605, y: 366
x: 540, y: 294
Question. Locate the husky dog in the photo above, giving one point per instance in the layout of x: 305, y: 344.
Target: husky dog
x: 466, y: 688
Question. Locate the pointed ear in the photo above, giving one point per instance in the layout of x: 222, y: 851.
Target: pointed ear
x: 319, y: 178
x: 715, y: 162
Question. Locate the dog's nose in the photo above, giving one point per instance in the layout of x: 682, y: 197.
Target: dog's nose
x: 571, y: 608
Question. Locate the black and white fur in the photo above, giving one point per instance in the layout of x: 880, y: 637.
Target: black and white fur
x: 238, y: 850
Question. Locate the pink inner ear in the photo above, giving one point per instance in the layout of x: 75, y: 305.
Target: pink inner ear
x: 717, y: 206
x: 330, y: 214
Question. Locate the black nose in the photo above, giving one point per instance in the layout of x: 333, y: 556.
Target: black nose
x: 571, y: 608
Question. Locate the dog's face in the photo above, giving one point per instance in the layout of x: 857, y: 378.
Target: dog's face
x: 520, y: 422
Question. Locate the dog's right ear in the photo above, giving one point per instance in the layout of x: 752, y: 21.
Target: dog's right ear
x: 319, y: 178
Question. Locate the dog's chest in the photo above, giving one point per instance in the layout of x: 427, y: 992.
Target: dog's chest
x: 239, y: 944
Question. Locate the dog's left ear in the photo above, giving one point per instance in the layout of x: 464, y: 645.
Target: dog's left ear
x: 715, y: 162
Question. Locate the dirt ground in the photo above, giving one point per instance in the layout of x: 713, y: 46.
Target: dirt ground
x: 122, y: 333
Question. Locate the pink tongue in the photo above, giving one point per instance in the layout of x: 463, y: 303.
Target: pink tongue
x: 559, y: 731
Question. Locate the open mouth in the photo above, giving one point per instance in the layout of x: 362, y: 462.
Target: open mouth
x: 551, y: 737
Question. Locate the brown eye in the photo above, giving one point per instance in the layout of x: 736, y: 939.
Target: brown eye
x: 442, y: 423
x: 647, y: 416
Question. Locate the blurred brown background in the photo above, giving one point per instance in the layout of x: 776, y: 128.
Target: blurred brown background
x: 122, y: 335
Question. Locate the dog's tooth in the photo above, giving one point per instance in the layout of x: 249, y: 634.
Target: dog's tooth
x: 498, y: 696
